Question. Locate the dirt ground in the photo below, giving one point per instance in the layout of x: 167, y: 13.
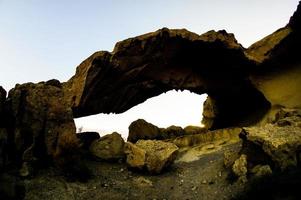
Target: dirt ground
x: 201, y: 178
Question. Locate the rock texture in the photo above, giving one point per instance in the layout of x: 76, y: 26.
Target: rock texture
x: 276, y: 144
x: 109, y: 147
x: 150, y: 154
x: 222, y: 135
x: 42, y: 124
x: 281, y: 144
x: 240, y: 169
x: 150, y: 64
x: 141, y: 129
x: 279, y: 61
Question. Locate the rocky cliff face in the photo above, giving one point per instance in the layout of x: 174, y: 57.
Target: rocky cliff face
x: 278, y: 76
x: 41, y: 123
x: 147, y: 65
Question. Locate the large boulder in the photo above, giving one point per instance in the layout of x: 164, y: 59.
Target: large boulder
x: 153, y: 155
x: 278, y: 144
x: 109, y: 147
x: 141, y: 129
x: 42, y: 124
x: 171, y: 132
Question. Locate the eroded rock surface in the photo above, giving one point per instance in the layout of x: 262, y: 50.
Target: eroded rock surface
x: 42, y: 124
x: 281, y: 144
x: 151, y: 154
x: 141, y: 129
x: 150, y: 64
x: 109, y: 147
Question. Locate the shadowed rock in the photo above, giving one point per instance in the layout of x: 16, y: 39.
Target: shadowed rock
x: 42, y: 123
x: 141, y: 129
x: 150, y: 64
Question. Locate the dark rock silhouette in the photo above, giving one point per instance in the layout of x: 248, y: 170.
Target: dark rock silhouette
x: 147, y: 65
x: 42, y: 124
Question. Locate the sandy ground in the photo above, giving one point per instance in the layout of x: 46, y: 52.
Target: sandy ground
x: 187, y: 179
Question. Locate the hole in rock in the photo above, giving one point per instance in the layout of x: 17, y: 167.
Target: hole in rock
x: 180, y: 108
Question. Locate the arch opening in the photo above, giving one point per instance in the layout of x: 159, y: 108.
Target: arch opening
x: 180, y: 108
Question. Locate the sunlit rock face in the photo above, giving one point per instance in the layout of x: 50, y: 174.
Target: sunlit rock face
x: 278, y: 75
x: 150, y: 64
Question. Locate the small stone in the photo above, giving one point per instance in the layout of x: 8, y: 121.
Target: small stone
x: 240, y: 166
x: 261, y: 171
x: 143, y: 182
x: 193, y: 188
x: 204, y: 182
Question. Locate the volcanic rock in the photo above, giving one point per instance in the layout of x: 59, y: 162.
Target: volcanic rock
x: 108, y: 147
x: 151, y: 154
x: 171, y: 132
x: 210, y: 136
x: 150, y: 64
x: 239, y: 167
x: 135, y: 156
x: 279, y: 60
x: 43, y: 125
x: 260, y: 171
x: 192, y: 130
x: 280, y: 144
x: 277, y: 144
x: 141, y: 129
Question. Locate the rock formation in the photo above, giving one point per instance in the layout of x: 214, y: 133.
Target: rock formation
x: 42, y: 126
x: 141, y: 129
x: 150, y: 64
x: 109, y: 147
x: 153, y: 155
x: 279, y: 143
x: 278, y: 75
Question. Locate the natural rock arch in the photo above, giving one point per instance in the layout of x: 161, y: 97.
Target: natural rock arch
x: 148, y: 65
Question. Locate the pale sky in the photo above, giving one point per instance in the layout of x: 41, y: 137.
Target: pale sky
x: 43, y: 39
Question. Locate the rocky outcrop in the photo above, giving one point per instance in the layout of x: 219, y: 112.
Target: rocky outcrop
x: 42, y: 125
x: 279, y: 61
x: 276, y: 144
x: 109, y: 147
x: 150, y: 64
x: 141, y: 129
x: 152, y: 155
x: 281, y: 144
